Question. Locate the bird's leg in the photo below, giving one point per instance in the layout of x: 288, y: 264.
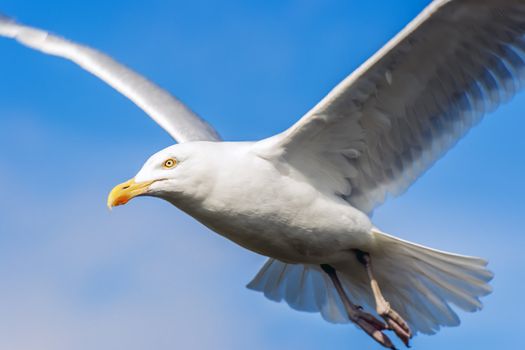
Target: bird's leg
x: 392, y: 318
x: 367, y: 322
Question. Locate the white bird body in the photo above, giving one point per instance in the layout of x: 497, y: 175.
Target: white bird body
x: 304, y: 197
x: 264, y: 204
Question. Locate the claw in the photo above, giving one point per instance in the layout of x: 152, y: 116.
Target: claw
x: 377, y: 324
x: 394, y: 316
x: 397, y: 324
x: 373, y: 327
x: 367, y: 322
x: 394, y: 321
x: 377, y: 335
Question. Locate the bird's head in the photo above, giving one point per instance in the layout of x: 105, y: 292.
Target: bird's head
x: 174, y: 172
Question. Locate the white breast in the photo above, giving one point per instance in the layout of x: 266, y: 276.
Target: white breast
x: 274, y: 212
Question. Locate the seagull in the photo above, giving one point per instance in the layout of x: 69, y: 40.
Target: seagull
x: 305, y: 197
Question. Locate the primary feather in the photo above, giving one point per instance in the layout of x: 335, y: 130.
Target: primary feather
x: 170, y: 113
x: 392, y: 118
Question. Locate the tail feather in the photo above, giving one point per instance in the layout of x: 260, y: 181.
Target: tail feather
x: 303, y: 287
x: 430, y: 280
x: 420, y: 283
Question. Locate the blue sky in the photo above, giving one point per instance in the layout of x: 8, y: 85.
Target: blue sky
x: 75, y: 276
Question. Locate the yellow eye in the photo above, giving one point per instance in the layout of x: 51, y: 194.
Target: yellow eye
x: 170, y: 163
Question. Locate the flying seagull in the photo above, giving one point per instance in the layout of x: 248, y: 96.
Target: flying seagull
x: 304, y: 197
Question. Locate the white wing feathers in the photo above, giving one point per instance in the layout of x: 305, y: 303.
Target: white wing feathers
x: 391, y: 119
x: 171, y: 114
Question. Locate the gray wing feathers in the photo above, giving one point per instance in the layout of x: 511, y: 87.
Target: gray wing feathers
x: 391, y: 119
x: 171, y: 114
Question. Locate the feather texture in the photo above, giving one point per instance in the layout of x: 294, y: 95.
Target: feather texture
x: 420, y: 283
x: 170, y: 113
x: 413, y: 100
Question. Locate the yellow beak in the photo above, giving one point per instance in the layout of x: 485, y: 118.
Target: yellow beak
x: 126, y: 191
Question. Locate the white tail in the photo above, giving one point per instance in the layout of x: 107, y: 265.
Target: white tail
x: 419, y: 282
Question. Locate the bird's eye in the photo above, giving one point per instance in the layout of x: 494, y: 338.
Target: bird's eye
x: 169, y: 163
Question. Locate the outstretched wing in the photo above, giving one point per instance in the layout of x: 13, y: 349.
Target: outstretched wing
x: 171, y: 114
x: 391, y: 119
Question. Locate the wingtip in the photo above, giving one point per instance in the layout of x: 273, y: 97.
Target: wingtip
x: 6, y: 21
x: 5, y: 18
x: 8, y: 26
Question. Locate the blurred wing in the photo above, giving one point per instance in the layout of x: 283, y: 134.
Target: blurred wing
x: 171, y: 114
x: 391, y: 119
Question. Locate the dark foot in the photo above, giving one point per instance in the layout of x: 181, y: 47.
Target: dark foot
x: 367, y: 322
x: 372, y: 326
